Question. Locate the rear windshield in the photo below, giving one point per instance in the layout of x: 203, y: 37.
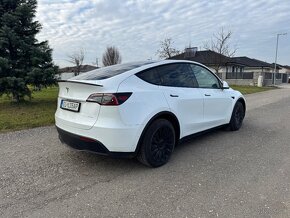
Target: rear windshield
x: 107, y: 72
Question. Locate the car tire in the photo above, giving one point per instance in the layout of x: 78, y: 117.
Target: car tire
x: 157, y: 144
x: 237, y: 118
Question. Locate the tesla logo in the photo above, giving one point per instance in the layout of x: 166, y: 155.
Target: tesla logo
x: 67, y: 89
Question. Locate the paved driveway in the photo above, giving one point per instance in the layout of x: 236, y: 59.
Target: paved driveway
x: 225, y: 174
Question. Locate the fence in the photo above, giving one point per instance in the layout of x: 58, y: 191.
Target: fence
x: 251, y: 78
x: 278, y: 76
x: 268, y: 76
x: 285, y: 78
x: 239, y: 75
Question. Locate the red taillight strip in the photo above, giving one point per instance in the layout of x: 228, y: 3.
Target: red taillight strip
x: 109, y: 99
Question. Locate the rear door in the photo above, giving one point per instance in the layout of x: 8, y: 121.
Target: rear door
x: 217, y: 102
x: 184, y: 98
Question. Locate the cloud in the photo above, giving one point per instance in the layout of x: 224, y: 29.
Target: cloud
x: 136, y: 27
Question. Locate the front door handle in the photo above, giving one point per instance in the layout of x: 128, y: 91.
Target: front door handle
x: 174, y: 96
x: 207, y: 94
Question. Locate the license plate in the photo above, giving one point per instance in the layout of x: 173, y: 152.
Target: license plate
x: 70, y: 105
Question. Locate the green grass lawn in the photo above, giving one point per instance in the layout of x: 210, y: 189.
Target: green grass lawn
x: 250, y: 89
x: 40, y: 110
x: 37, y: 112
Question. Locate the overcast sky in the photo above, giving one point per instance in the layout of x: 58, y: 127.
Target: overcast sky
x: 137, y: 27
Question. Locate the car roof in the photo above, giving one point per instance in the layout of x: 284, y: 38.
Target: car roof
x: 159, y: 63
x: 140, y: 66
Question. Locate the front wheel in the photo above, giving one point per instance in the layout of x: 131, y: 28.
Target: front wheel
x: 237, y: 117
x: 157, y: 144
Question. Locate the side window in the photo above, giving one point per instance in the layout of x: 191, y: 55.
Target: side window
x: 205, y: 78
x: 150, y: 76
x: 176, y: 75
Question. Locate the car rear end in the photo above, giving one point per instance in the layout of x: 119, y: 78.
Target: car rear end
x: 90, y: 116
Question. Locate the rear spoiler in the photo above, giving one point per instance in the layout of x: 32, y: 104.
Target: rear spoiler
x: 74, y: 81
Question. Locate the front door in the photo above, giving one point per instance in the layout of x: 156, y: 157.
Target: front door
x: 217, y: 101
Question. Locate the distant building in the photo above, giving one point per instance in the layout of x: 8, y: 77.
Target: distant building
x: 209, y: 58
x: 284, y: 68
x: 285, y: 71
x: 69, y: 72
x: 236, y: 70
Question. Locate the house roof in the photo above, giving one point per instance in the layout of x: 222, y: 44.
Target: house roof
x: 250, y: 62
x: 210, y: 58
x: 284, y: 66
x: 84, y: 68
x: 206, y: 57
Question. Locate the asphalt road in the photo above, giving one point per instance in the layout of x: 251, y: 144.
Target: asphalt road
x: 225, y: 174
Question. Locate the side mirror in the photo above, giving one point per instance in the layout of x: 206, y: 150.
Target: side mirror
x: 225, y: 85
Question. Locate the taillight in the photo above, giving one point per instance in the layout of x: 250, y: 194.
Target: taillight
x: 109, y: 98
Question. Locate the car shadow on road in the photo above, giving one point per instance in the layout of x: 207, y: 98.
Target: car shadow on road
x: 192, y: 146
x: 98, y: 162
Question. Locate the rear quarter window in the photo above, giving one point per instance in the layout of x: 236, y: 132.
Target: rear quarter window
x: 150, y: 76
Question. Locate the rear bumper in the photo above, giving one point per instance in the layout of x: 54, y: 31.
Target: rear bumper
x: 111, y: 133
x: 86, y: 144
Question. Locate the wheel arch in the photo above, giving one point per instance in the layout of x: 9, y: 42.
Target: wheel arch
x: 242, y: 100
x: 161, y: 115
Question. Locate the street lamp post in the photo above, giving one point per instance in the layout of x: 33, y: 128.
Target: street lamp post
x: 275, y: 66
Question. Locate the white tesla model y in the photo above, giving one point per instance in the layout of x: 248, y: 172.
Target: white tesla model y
x: 143, y: 109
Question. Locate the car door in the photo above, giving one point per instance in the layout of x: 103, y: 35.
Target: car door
x: 217, y: 101
x: 182, y: 95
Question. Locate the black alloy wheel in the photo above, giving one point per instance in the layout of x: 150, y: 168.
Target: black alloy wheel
x: 158, y: 143
x: 237, y: 117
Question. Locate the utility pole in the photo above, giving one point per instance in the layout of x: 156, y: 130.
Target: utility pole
x: 96, y: 63
x: 275, y: 66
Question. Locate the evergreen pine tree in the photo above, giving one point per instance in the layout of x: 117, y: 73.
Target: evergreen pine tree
x: 23, y: 60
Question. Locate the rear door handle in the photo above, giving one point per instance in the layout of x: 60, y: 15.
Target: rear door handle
x: 207, y: 94
x: 174, y: 96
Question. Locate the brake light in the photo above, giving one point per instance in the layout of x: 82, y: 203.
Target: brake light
x: 109, y: 98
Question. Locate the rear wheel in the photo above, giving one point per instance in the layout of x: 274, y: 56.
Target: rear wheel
x: 237, y: 117
x: 157, y: 144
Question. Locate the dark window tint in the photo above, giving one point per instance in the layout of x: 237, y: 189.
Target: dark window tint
x: 178, y: 75
x: 150, y: 76
x: 107, y: 72
x: 204, y: 77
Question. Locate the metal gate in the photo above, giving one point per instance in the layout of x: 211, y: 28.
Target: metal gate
x: 284, y: 78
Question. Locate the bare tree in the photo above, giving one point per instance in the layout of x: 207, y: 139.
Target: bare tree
x: 77, y: 59
x: 166, y: 49
x: 111, y: 56
x: 220, y: 43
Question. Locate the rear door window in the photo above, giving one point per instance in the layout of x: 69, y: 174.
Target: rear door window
x: 176, y: 75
